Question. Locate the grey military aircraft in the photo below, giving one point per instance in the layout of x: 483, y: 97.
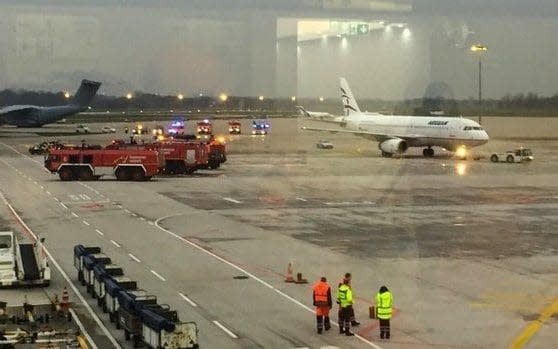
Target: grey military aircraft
x: 37, y: 116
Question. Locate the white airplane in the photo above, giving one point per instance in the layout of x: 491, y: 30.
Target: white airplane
x: 397, y: 133
x: 323, y: 116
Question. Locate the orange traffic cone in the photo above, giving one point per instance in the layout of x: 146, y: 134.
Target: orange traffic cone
x: 289, y: 276
x: 65, y: 304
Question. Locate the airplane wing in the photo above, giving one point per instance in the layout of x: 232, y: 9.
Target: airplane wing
x: 380, y: 137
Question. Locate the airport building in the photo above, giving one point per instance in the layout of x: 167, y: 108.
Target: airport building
x: 388, y: 49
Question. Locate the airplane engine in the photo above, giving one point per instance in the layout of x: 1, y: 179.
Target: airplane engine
x: 393, y: 146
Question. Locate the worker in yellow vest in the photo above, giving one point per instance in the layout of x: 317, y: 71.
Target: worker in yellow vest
x: 384, y: 306
x: 345, y: 301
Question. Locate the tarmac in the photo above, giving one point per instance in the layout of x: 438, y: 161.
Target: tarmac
x: 468, y: 248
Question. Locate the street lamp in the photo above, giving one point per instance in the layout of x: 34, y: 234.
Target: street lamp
x: 180, y: 96
x: 129, y: 96
x: 66, y: 94
x: 293, y: 98
x: 223, y: 97
x: 322, y: 99
x: 479, y: 49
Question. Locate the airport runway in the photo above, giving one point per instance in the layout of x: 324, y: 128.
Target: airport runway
x: 469, y: 249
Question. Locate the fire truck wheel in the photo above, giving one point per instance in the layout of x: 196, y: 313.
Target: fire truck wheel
x: 122, y: 174
x: 66, y: 174
x: 85, y: 174
x: 138, y: 174
x: 190, y: 170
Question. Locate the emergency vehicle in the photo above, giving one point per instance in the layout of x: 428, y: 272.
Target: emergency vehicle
x: 260, y: 127
x: 204, y: 127
x: 176, y: 126
x: 234, y: 127
x: 85, y: 163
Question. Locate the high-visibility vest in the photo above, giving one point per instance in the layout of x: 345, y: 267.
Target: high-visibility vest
x: 344, y: 296
x: 320, y: 294
x: 384, y: 303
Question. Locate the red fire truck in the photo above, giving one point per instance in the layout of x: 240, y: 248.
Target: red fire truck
x: 91, y: 164
x: 234, y: 127
x: 179, y: 156
x: 204, y: 127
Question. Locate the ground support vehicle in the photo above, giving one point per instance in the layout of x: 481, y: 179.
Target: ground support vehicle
x: 260, y: 128
x: 44, y: 147
x: 217, y: 149
x: 513, y: 156
x: 137, y: 312
x: 108, y: 129
x: 91, y: 164
x: 234, y: 127
x: 324, y: 145
x: 140, y: 130
x: 82, y: 129
x: 204, y: 127
x: 41, y: 324
x: 22, y: 264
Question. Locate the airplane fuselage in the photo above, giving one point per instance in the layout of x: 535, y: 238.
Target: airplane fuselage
x: 421, y: 131
x: 37, y: 116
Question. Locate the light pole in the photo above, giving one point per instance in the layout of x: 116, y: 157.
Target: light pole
x: 479, y: 50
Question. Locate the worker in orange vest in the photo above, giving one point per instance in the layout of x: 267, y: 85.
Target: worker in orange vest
x: 321, y: 298
x: 351, y: 311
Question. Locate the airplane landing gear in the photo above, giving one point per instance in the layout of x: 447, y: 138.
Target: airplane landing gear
x: 428, y: 152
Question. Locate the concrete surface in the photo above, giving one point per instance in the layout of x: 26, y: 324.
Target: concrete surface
x: 468, y: 248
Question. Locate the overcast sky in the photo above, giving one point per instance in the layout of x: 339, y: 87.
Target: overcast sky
x: 250, y: 47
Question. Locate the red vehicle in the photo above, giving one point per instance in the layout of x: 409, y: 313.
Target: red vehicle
x: 205, y: 127
x: 180, y: 156
x: 217, y: 149
x: 234, y: 127
x: 91, y: 164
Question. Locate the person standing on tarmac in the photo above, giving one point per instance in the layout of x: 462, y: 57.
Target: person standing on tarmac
x: 345, y: 300
x: 384, y: 304
x: 354, y: 323
x: 322, y: 301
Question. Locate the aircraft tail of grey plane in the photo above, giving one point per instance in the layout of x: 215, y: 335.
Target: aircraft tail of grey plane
x: 84, y: 95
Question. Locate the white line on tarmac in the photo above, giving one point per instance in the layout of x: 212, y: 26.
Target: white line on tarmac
x: 254, y: 277
x: 151, y: 223
x: 126, y: 210
x: 158, y: 275
x: 226, y: 330
x: 86, y: 222
x: 62, y: 204
x: 115, y: 243
x: 142, y: 218
x: 134, y: 215
x: 57, y: 199
x: 99, y: 232
x: 74, y: 214
x: 301, y: 199
x: 187, y: 299
x: 134, y: 257
x: 67, y: 278
x: 232, y: 200
x: 48, y: 192
x: 41, y: 187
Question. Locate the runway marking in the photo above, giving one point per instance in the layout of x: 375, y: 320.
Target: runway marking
x: 86, y: 222
x: 73, y: 197
x: 158, y: 275
x: 254, y: 277
x: 41, y: 187
x: 232, y: 200
x: 69, y: 281
x: 134, y: 215
x: 74, y: 214
x: 535, y: 326
x: 99, y: 232
x: 126, y: 210
x: 301, y: 199
x: 84, y: 197
x: 48, y: 192
x: 62, y: 204
x: 226, y: 330
x: 115, y: 243
x: 187, y: 299
x: 151, y: 223
x: 134, y: 257
x: 142, y: 218
x: 57, y: 199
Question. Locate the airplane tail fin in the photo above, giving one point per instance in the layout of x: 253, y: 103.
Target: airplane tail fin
x: 350, y: 105
x: 87, y: 90
x: 302, y: 111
